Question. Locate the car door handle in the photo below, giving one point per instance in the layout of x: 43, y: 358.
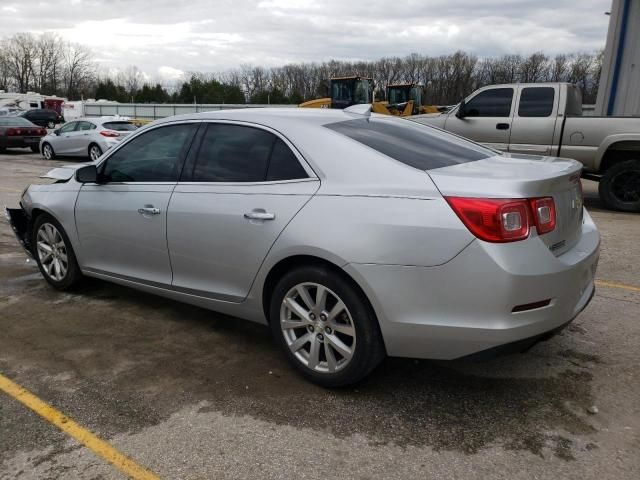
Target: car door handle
x: 149, y: 210
x: 502, y: 126
x: 259, y: 215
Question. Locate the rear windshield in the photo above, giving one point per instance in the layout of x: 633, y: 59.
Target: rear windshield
x: 411, y: 143
x: 15, y: 122
x: 119, y: 126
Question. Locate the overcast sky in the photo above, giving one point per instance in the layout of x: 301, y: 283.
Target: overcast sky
x: 167, y: 37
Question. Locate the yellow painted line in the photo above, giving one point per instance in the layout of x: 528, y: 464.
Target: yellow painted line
x: 71, y: 428
x: 621, y: 286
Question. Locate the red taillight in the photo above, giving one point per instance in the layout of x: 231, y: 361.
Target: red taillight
x: 42, y: 131
x: 10, y: 132
x: 109, y: 133
x: 500, y: 220
x: 544, y: 214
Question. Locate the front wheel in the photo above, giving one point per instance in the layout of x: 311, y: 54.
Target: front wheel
x: 54, y: 254
x: 47, y: 152
x: 619, y: 187
x: 94, y: 152
x: 325, y: 327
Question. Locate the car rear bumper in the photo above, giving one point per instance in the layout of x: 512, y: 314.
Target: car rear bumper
x: 19, y: 142
x: 19, y: 221
x: 467, y: 305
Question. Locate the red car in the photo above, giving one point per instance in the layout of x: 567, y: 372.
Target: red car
x: 18, y: 132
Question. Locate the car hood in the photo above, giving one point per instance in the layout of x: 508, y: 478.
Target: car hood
x: 63, y: 173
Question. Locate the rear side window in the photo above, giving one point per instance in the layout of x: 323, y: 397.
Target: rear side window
x: 120, y: 126
x: 235, y: 153
x: 490, y: 103
x: 411, y: 143
x: 283, y: 164
x: 536, y: 102
x: 85, y: 126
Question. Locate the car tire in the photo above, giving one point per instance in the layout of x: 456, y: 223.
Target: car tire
x: 51, y: 124
x: 53, y: 253
x: 94, y: 152
x: 47, y: 152
x: 330, y: 348
x: 619, y: 187
x: 35, y: 149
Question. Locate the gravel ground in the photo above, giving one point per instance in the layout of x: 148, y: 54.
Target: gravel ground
x: 193, y: 394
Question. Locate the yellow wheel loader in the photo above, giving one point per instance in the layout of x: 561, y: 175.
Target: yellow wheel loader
x: 403, y: 99
x: 344, y: 91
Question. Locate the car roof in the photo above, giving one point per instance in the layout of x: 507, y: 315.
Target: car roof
x: 269, y: 116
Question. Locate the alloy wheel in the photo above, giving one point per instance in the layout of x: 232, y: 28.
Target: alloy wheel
x: 47, y: 152
x: 51, y: 125
x: 318, y: 327
x: 52, y: 252
x: 94, y: 152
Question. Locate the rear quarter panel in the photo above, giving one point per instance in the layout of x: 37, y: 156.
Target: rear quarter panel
x: 586, y: 139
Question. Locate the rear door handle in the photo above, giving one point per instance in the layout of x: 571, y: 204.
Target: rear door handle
x: 502, y: 126
x: 259, y: 215
x: 149, y: 210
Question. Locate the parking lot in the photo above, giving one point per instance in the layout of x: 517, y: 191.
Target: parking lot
x: 188, y: 393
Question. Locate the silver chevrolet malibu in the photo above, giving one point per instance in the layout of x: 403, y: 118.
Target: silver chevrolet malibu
x: 352, y: 235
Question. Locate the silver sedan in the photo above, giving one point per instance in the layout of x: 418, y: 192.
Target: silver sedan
x: 85, y: 137
x: 352, y: 235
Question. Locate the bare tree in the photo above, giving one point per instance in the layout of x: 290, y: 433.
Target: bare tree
x: 20, y: 51
x: 78, y: 69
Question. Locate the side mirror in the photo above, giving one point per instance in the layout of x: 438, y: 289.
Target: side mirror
x: 460, y: 113
x: 57, y: 132
x: 88, y: 174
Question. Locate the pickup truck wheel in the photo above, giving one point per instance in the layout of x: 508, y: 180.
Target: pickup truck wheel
x: 619, y: 187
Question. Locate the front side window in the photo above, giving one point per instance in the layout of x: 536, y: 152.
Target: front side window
x: 154, y: 156
x: 69, y: 127
x: 341, y: 91
x: 236, y: 153
x: 412, y: 143
x: 490, y: 103
x: 536, y: 102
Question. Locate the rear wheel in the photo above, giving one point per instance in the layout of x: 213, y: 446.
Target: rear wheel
x: 54, y: 254
x: 94, y: 152
x: 47, y: 152
x: 325, y: 327
x: 51, y: 124
x: 619, y: 187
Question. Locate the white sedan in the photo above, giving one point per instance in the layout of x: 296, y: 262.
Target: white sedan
x: 85, y: 137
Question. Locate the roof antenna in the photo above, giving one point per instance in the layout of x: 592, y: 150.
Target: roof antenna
x: 363, y: 109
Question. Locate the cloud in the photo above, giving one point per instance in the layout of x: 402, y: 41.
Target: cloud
x: 216, y: 35
x: 169, y: 73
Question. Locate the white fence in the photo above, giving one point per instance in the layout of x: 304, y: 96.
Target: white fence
x: 152, y: 111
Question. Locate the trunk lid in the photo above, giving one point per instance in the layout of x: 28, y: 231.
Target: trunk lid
x: 522, y: 176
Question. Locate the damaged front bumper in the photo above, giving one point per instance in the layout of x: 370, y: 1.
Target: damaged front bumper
x: 19, y: 222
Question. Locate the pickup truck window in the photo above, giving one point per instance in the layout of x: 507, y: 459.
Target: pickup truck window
x: 490, y: 103
x: 536, y: 102
x: 413, y: 144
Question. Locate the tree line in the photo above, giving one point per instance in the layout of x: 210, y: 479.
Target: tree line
x: 50, y: 65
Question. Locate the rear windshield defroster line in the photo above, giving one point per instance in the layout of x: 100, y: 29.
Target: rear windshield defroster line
x: 411, y: 143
